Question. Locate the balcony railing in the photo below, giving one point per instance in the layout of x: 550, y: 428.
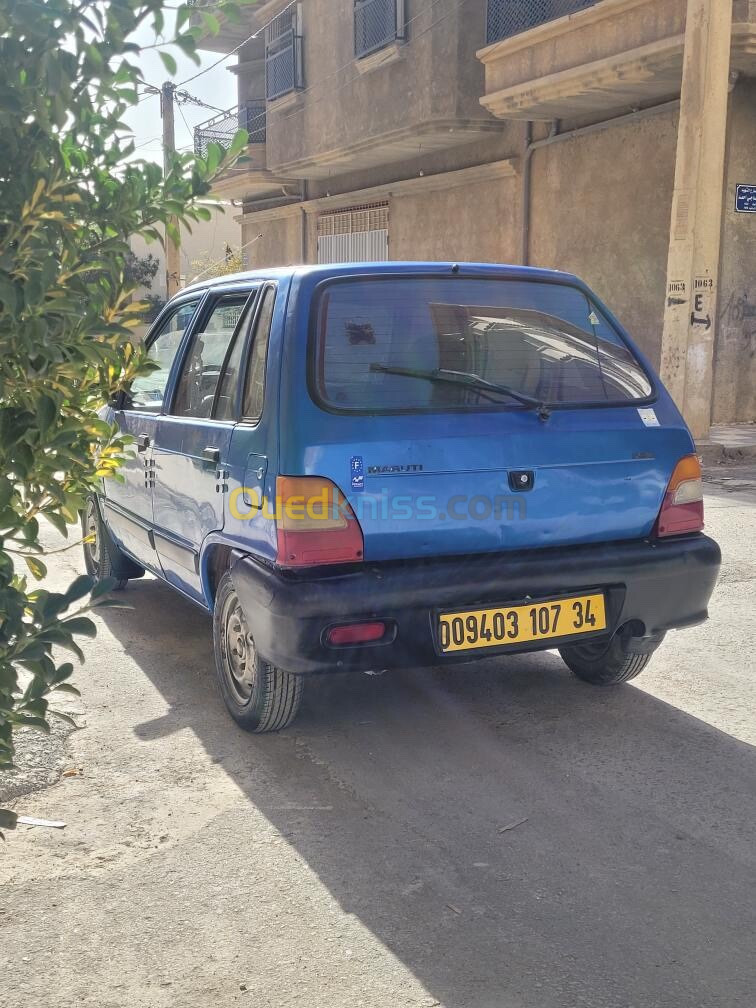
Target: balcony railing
x: 283, y: 55
x: 510, y: 17
x: 250, y: 117
x: 377, y: 23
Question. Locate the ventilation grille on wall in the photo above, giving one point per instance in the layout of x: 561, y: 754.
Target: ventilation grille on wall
x: 369, y: 217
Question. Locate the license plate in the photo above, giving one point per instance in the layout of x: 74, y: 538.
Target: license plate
x: 472, y: 629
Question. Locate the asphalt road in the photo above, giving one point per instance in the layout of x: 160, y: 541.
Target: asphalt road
x: 501, y: 836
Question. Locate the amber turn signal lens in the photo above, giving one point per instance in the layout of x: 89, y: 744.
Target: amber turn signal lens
x: 682, y: 508
x: 315, y: 524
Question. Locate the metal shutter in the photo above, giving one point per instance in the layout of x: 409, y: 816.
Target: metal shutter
x: 356, y: 234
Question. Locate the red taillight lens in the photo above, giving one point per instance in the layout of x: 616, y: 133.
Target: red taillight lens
x: 682, y: 507
x: 315, y: 523
x: 356, y: 633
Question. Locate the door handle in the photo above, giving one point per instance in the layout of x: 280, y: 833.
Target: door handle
x: 211, y: 455
x: 143, y: 442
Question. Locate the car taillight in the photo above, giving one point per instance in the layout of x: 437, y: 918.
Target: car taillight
x: 682, y: 507
x: 315, y: 523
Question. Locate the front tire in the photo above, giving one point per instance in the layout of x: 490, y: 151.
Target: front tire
x: 102, y: 557
x: 258, y: 696
x: 605, y: 663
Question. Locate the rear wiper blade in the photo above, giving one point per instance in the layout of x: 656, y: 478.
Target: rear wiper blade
x: 467, y: 379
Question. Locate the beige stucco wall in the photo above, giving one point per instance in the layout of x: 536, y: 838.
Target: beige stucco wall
x: 437, y: 77
x: 474, y: 222
x: 467, y: 219
x: 735, y: 350
x: 600, y: 207
x: 281, y: 242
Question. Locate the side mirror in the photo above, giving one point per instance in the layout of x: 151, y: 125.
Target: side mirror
x: 121, y: 400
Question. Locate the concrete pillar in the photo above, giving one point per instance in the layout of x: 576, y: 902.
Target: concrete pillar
x: 690, y: 318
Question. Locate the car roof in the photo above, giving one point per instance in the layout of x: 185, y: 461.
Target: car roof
x: 326, y: 271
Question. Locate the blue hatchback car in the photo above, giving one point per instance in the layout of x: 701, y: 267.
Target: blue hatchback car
x: 384, y: 465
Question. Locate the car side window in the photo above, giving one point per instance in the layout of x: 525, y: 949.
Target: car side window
x: 226, y: 400
x: 254, y: 392
x: 202, y: 367
x: 148, y: 391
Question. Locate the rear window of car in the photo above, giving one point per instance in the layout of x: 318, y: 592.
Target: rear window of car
x: 545, y: 341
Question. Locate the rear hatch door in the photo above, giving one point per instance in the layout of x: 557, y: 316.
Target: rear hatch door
x: 575, y: 444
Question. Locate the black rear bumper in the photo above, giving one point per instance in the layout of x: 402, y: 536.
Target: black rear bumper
x: 659, y: 586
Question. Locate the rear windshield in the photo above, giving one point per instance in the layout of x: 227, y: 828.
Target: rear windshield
x: 545, y: 341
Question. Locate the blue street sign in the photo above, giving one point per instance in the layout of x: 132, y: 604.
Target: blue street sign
x: 745, y: 198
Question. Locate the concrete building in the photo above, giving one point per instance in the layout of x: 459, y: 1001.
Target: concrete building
x: 612, y: 138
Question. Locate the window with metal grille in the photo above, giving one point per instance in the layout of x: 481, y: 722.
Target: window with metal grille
x: 355, y: 234
x: 510, y: 17
x: 377, y: 23
x: 283, y: 53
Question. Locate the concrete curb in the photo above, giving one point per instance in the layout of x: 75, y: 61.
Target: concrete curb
x: 714, y: 453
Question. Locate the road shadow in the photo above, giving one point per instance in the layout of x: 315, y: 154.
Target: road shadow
x: 512, y: 836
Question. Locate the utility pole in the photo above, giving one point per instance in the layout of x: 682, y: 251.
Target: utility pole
x: 172, y: 250
x: 690, y: 316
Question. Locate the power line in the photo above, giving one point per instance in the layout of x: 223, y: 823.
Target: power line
x: 236, y: 49
x: 183, y: 117
x: 152, y: 90
x: 146, y: 143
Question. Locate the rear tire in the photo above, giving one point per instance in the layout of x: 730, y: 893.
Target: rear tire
x: 605, y: 663
x: 102, y: 557
x: 259, y: 697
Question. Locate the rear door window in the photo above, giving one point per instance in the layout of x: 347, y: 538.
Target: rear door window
x: 413, y: 344
x: 203, y: 363
x: 254, y: 391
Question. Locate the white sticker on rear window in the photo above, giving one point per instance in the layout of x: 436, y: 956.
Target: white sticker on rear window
x: 649, y: 418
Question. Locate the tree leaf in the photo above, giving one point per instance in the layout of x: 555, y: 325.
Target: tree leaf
x: 168, y: 62
x: 67, y: 688
x: 36, y: 566
x: 8, y: 819
x: 82, y: 586
x: 80, y: 625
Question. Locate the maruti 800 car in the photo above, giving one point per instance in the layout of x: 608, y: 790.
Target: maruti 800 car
x: 385, y: 465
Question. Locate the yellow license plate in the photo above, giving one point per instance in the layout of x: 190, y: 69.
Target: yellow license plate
x: 472, y: 629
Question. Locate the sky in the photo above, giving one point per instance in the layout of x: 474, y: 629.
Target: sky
x: 217, y: 88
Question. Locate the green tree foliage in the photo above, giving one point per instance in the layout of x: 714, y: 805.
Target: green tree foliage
x: 72, y: 194
x: 140, y: 271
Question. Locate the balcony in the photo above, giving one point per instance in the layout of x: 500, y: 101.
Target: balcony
x: 561, y: 59
x: 250, y: 117
x: 250, y: 178
x: 377, y: 24
x: 506, y: 18
x: 283, y: 55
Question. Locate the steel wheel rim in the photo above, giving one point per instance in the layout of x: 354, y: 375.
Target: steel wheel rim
x: 91, y: 529
x: 238, y: 650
